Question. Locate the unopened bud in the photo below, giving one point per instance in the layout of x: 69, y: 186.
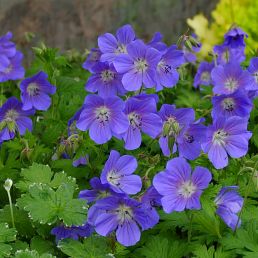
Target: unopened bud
x: 8, y: 184
x: 188, y: 44
x: 194, y: 41
x: 166, y: 129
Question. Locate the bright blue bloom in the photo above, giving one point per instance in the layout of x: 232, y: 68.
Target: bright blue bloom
x: 105, y: 80
x: 229, y: 203
x: 13, y: 119
x: 14, y: 69
x: 230, y: 78
x: 235, y: 104
x: 142, y: 117
x: 166, y: 72
x: 234, y: 38
x: 138, y: 66
x: 103, y: 118
x: 117, y: 173
x: 226, y: 137
x: 35, y: 90
x: 126, y: 216
x: 112, y: 46
x: 180, y: 187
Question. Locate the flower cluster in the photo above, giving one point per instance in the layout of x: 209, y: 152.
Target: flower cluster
x: 125, y: 74
x: 10, y: 60
x: 114, y: 209
x: 124, y: 64
x: 120, y: 65
x: 14, y: 115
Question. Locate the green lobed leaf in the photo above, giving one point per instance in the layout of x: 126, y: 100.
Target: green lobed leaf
x: 31, y: 254
x: 46, y: 206
x: 38, y: 173
x: 159, y: 247
x: 92, y: 247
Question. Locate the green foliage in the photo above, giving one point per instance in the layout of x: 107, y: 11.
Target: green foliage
x: 158, y: 247
x: 22, y: 224
x: 41, y: 245
x: 203, y: 252
x: 31, y: 254
x: 7, y: 235
x: 38, y: 173
x: 45, y: 191
x: 46, y: 206
x: 245, y: 241
x: 93, y: 247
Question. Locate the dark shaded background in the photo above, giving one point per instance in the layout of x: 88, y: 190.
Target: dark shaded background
x: 68, y: 24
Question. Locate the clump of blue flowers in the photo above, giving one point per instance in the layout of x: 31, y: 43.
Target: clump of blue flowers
x: 141, y: 157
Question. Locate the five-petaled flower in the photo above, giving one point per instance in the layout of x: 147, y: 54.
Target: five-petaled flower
x: 226, y: 137
x: 35, y: 90
x: 138, y: 66
x: 123, y: 215
x: 180, y: 188
x: 13, y: 119
x: 117, y: 173
x: 103, y: 118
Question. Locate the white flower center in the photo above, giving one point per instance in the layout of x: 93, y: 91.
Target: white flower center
x: 121, y: 49
x: 33, y: 89
x: 219, y: 137
x: 8, y: 69
x: 231, y: 84
x: 102, y: 114
x: 11, y: 115
x: 113, y: 178
x: 125, y: 213
x: 135, y: 120
x: 107, y: 75
x: 141, y: 65
x: 187, y: 189
x: 205, y: 76
x: 228, y: 104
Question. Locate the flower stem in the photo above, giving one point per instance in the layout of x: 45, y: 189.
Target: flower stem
x: 11, y: 207
x: 189, y: 236
x: 7, y: 186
